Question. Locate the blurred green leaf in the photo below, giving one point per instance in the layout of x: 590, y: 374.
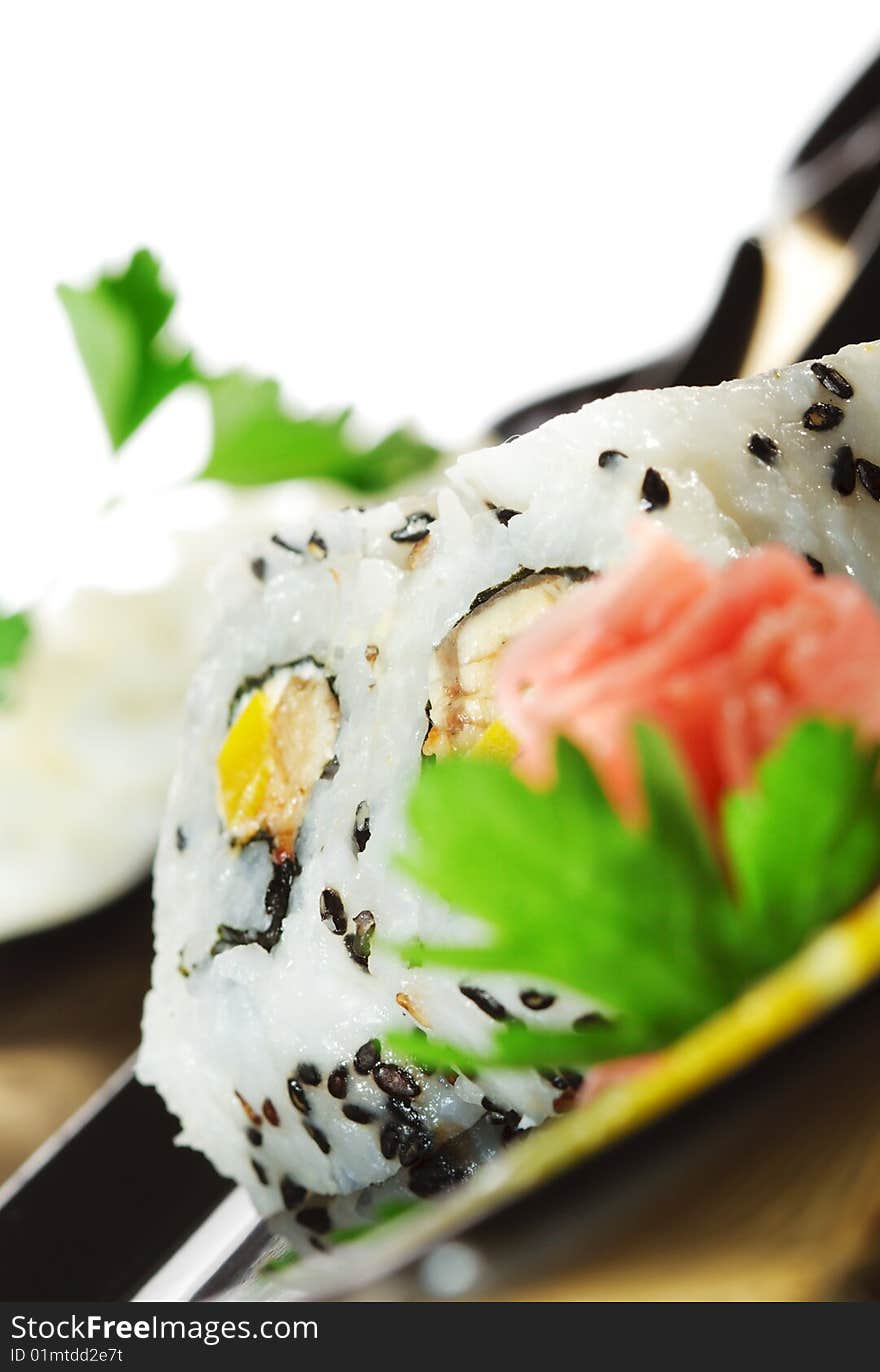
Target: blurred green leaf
x: 118, y: 325
x: 257, y: 442
x: 15, y: 630
x: 384, y: 1213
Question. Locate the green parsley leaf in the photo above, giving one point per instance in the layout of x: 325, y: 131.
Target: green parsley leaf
x: 641, y: 919
x: 257, y: 441
x: 803, y: 844
x: 15, y: 630
x: 520, y: 1045
x: 384, y: 1213
x: 281, y: 1262
x: 118, y: 323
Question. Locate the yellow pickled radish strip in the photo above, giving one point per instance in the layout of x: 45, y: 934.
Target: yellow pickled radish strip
x: 496, y: 742
x: 244, y: 764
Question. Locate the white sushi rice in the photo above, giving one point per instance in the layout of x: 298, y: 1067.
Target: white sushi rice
x: 697, y: 439
x: 245, y: 1021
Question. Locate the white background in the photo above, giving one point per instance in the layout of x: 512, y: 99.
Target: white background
x: 429, y: 211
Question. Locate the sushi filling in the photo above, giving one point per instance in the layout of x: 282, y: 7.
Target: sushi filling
x: 462, y: 677
x: 281, y: 740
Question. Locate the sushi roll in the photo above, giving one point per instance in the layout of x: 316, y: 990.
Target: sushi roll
x: 352, y: 655
x: 264, y: 1027
x: 791, y: 455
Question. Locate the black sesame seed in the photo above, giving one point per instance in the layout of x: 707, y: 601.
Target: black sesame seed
x: 820, y: 417
x: 764, y: 448
x: 395, y: 1081
x: 271, y: 1113
x: 316, y: 1218
x: 410, y: 1150
x: 360, y: 943
x: 361, y: 831
x: 179, y: 839
x: 282, y: 543
x: 367, y: 1056
x: 357, y: 1114
x: 497, y: 1114
x: 317, y: 1135
x: 831, y: 379
x: 611, y: 457
x: 255, y: 1137
x: 536, y: 1000
x: 485, y: 1002
x: 430, y: 1178
x: 505, y: 516
x: 332, y: 910
x: 843, y: 471
x: 260, y: 1171
x: 248, y: 1109
x: 869, y: 475
x: 655, y: 492
x: 389, y: 1140
x: 308, y: 1072
x: 317, y: 547
x: 258, y: 567
x: 330, y: 770
x: 583, y: 1023
x: 291, y: 1193
x: 298, y: 1096
x: 337, y: 1083
x: 414, y: 528
x: 415, y: 1146
x: 403, y: 1111
x: 814, y: 564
